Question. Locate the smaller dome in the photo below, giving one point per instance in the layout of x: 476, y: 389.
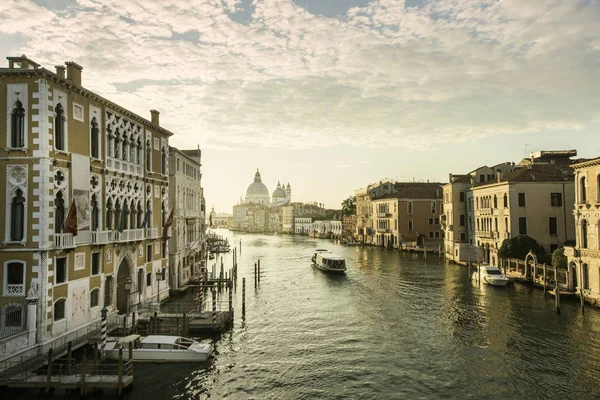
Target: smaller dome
x: 278, y: 193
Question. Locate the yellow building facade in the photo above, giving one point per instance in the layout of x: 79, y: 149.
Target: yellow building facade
x: 63, y: 146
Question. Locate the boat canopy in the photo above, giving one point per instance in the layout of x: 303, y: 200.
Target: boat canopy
x: 163, y: 339
x: 128, y: 339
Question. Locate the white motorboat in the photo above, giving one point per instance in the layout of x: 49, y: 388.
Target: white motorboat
x: 159, y: 348
x: 220, y: 249
x: 327, y: 261
x: 490, y: 275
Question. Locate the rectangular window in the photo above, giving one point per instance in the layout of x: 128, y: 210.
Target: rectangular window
x: 15, y: 279
x: 430, y: 235
x: 430, y: 221
x: 148, y: 279
x: 462, y: 220
x: 553, y: 225
x: 94, y: 294
x: 178, y: 165
x: 463, y: 236
x: 481, y: 178
x: 521, y: 199
x: 436, y: 221
x: 59, y: 310
x: 95, y: 263
x: 61, y: 270
x: 462, y: 196
x: 522, y: 226
x: 437, y: 234
x: 149, y: 253
x: 556, y: 199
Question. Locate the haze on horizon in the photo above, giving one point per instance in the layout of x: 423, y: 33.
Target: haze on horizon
x: 333, y: 95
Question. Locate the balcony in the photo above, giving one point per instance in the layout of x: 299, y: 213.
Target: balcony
x: 64, y: 241
x: 486, y: 211
x: 102, y: 237
x: 484, y: 234
x: 384, y: 215
x: 383, y: 231
x: 129, y: 235
x: 151, y: 233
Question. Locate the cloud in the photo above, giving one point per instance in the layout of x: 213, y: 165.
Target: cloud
x: 383, y: 74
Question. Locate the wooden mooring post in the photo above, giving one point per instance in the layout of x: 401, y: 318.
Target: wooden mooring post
x: 243, y: 297
x: 544, y: 278
x: 556, y: 291
x: 469, y: 269
x: 96, y: 351
x: 83, y: 372
x: 255, y: 276
x: 258, y: 271
x: 479, y: 273
x: 69, y: 356
x: 49, y: 372
x: 120, y: 382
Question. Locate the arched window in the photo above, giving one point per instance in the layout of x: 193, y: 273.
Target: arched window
x: 132, y: 150
x: 117, y: 144
x: 148, y: 279
x: 506, y: 224
x: 584, y: 234
x: 433, y: 207
x: 59, y: 310
x: 108, y: 290
x: 59, y: 127
x: 95, y: 214
x: 117, y: 214
x: 163, y: 274
x: 109, y: 215
x: 409, y: 208
x: 163, y: 214
x: 598, y: 189
x: 59, y: 212
x: 124, y: 150
x: 163, y: 161
x: 109, y: 143
x: 140, y: 216
x: 149, y: 212
x: 505, y: 201
x: 496, y: 224
x: 410, y: 224
x: 17, y: 217
x: 132, y: 216
x: 94, y: 297
x: 495, y: 202
x: 125, y: 215
x: 582, y: 190
x: 17, y: 129
x: 95, y: 138
x: 139, y: 152
x: 148, y: 156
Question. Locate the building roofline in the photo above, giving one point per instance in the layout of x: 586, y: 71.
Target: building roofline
x: 71, y: 85
x: 587, y: 163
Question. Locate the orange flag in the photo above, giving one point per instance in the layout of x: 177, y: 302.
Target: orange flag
x: 167, y: 225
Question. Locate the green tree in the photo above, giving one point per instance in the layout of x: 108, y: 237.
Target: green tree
x: 349, y: 206
x: 519, y: 246
x: 559, y: 260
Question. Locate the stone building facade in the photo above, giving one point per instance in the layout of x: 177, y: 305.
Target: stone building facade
x: 64, y: 146
x: 189, y: 226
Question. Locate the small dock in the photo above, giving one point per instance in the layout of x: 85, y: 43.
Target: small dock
x: 172, y: 322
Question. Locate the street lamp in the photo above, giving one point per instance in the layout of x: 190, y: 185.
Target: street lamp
x: 127, y: 291
x: 158, y: 275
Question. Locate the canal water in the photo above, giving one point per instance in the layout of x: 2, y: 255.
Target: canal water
x: 393, y: 327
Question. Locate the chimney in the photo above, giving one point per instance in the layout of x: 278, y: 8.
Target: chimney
x: 450, y: 178
x: 60, y: 70
x: 74, y: 72
x: 155, y: 117
x: 498, y: 176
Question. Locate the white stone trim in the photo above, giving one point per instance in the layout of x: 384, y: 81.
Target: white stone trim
x: 11, y: 99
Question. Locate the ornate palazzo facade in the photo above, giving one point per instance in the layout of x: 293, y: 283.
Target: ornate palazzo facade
x: 64, y: 147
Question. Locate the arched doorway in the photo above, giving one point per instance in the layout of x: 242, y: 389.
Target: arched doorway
x: 122, y: 295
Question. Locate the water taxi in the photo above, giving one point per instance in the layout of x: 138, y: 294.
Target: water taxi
x: 490, y: 275
x: 159, y: 348
x: 328, y: 261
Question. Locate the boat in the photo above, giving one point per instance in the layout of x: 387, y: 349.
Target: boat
x: 490, y: 275
x: 352, y: 243
x: 159, y: 348
x: 328, y: 261
x: 220, y: 248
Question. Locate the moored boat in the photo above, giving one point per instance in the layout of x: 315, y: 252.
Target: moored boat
x: 159, y: 348
x: 490, y: 275
x: 328, y: 261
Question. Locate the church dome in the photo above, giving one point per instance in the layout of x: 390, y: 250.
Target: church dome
x: 278, y: 193
x: 257, y: 191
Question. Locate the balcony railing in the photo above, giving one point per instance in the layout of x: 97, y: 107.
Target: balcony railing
x: 151, y: 233
x: 64, y: 240
x: 130, y: 235
x: 102, y: 237
x: 384, y: 215
x: 484, y: 234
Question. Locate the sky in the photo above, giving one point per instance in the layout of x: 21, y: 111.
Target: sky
x: 332, y: 95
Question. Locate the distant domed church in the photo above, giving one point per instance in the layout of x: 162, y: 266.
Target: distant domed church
x: 258, y: 193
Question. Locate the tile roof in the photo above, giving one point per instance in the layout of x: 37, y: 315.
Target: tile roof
x: 540, y: 173
x: 415, y: 190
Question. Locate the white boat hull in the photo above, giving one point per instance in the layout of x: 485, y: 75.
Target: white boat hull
x: 323, y: 268
x: 496, y: 281
x: 197, y: 352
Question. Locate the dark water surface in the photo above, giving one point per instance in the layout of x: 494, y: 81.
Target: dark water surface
x: 393, y: 327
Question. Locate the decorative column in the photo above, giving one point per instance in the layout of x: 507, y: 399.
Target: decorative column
x: 104, y: 314
x: 32, y: 302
